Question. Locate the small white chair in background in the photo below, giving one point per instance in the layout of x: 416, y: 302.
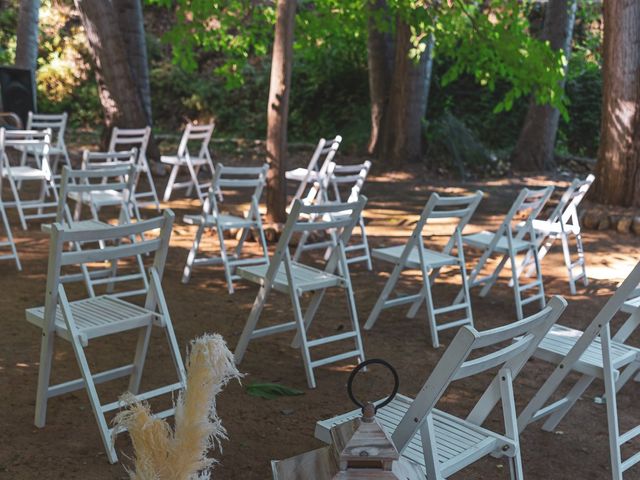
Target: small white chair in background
x: 57, y: 123
x: 237, y: 179
x: 316, y: 169
x: 198, y: 137
x: 295, y: 279
x: 331, y: 189
x: 442, y: 443
x: 47, y: 200
x: 562, y: 223
x: 509, y: 241
x: 126, y: 139
x: 592, y: 353
x: 414, y: 255
x: 87, y: 319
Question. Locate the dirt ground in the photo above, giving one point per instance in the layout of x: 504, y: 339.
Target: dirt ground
x: 259, y: 430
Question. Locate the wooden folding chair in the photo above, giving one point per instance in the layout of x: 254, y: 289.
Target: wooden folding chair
x: 592, y: 353
x: 116, y: 181
x: 250, y: 179
x: 442, y: 443
x: 126, y: 139
x: 197, y: 137
x: 316, y: 169
x: 341, y: 183
x: 414, y: 255
x: 515, y: 236
x: 55, y: 122
x: 86, y: 319
x: 47, y: 200
x: 294, y: 278
x: 562, y: 223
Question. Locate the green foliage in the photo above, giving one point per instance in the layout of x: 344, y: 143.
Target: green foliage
x: 8, y: 23
x: 269, y: 391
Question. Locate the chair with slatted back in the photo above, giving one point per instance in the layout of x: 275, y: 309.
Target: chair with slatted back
x: 57, y: 123
x: 593, y: 354
x: 414, y: 255
x: 515, y: 236
x: 118, y: 182
x: 88, y: 319
x: 296, y: 278
x: 194, y: 155
x: 562, y: 223
x: 47, y: 199
x: 138, y: 138
x: 341, y: 183
x: 227, y: 179
x: 442, y: 443
x: 316, y: 169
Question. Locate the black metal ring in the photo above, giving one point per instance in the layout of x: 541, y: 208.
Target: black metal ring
x: 359, y: 367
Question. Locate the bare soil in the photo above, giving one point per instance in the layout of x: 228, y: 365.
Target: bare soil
x: 259, y: 430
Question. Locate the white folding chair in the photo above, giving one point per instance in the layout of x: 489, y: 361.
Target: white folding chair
x: 592, y: 353
x: 562, y: 223
x: 198, y: 137
x: 9, y: 242
x: 442, y: 443
x: 294, y: 278
x: 118, y: 182
x: 55, y: 122
x: 414, y: 255
x: 47, y: 200
x: 83, y: 320
x: 509, y: 241
x: 126, y: 139
x: 251, y: 179
x: 316, y: 169
x: 331, y: 189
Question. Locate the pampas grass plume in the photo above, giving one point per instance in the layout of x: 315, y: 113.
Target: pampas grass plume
x: 162, y: 453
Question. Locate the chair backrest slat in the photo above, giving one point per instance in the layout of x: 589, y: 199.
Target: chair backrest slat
x: 252, y: 179
x: 104, y: 254
x: 56, y: 122
x: 198, y: 134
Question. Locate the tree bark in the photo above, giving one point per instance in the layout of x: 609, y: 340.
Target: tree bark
x: 534, y: 150
x: 618, y: 168
x: 380, y: 64
x: 402, y: 136
x: 278, y: 110
x: 117, y: 90
x: 131, y: 22
x: 27, y: 35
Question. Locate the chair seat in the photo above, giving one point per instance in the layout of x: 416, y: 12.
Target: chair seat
x: 299, y: 174
x: 546, y: 227
x: 37, y: 150
x: 100, y: 199
x: 306, y: 278
x: 458, y: 442
x: 630, y: 305
x: 225, y: 221
x: 483, y: 239
x: 97, y: 316
x: 25, y: 173
x: 175, y: 160
x: 432, y: 259
x: 560, y: 339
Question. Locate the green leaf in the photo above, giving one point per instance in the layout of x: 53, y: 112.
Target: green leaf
x: 270, y: 391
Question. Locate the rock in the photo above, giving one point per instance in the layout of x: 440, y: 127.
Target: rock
x: 591, y: 219
x: 605, y: 223
x: 624, y: 224
x: 636, y: 225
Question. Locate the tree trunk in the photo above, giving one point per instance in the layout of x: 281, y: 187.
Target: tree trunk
x: 27, y: 35
x: 118, y: 93
x: 618, y: 167
x: 278, y: 110
x: 534, y: 150
x: 380, y: 63
x: 131, y: 21
x: 402, y: 136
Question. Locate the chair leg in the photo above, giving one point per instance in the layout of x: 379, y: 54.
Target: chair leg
x: 474, y: 274
x: 252, y: 321
x: 44, y: 376
x: 142, y: 346
x: 386, y: 291
x: 10, y: 240
x: 572, y: 397
x: 581, y: 259
x: 193, y: 253
x: 431, y: 316
x: 225, y: 258
x: 365, y: 243
x: 494, y: 276
x: 18, y: 204
x: 172, y: 180
x: 516, y: 288
x: 302, y: 335
x: 566, y: 255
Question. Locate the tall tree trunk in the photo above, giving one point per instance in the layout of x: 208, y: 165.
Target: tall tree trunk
x: 27, y: 35
x: 618, y: 168
x: 278, y: 110
x: 380, y: 63
x: 534, y: 150
x: 402, y: 136
x: 131, y: 21
x: 118, y: 93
